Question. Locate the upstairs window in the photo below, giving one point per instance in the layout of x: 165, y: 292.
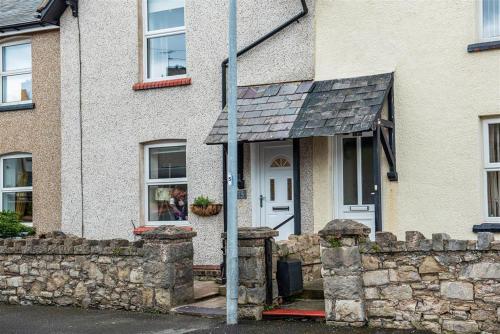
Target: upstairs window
x: 164, y: 39
x: 15, y: 72
x: 16, y: 185
x: 490, y: 19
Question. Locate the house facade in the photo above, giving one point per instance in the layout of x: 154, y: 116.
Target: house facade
x: 346, y: 109
x: 29, y: 116
x: 140, y: 92
x: 446, y: 62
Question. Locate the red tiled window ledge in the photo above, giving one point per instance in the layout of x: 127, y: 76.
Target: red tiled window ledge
x: 162, y: 84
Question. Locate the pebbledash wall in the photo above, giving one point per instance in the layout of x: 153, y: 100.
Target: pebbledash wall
x: 155, y: 273
x: 38, y: 131
x: 117, y: 121
x: 441, y: 94
x: 440, y: 284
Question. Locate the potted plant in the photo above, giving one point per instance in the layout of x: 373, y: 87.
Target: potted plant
x: 205, y: 207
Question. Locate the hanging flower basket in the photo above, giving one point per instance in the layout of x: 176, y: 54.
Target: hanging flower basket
x: 206, y: 210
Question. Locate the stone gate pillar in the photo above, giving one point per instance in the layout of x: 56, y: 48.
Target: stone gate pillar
x: 342, y: 270
x: 257, y: 275
x: 168, y: 267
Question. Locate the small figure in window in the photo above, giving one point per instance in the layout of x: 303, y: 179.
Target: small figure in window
x: 179, y: 203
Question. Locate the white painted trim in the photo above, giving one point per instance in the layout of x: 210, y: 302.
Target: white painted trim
x: 146, y: 34
x: 255, y: 183
x: 149, y: 182
x: 14, y: 189
x: 14, y: 72
x: 488, y: 166
x: 26, y: 31
x: 479, y: 15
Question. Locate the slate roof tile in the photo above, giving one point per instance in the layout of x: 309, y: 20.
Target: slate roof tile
x: 305, y: 109
x: 18, y: 12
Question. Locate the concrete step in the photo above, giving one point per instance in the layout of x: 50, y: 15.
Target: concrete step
x: 209, y: 308
x: 313, y: 290
x: 205, y: 289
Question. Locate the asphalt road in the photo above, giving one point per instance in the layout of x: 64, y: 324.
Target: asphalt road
x: 55, y: 320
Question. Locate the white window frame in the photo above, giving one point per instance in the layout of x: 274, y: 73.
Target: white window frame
x: 488, y: 166
x: 16, y: 72
x: 13, y: 189
x: 480, y: 25
x: 157, y: 182
x: 157, y: 33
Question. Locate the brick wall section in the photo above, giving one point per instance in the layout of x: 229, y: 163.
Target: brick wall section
x: 152, y: 274
x: 440, y: 285
x: 305, y: 248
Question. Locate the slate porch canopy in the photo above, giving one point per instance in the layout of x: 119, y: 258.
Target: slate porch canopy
x: 306, y: 109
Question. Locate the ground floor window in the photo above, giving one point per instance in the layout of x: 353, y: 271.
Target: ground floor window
x: 491, y: 130
x: 16, y: 185
x: 166, y: 186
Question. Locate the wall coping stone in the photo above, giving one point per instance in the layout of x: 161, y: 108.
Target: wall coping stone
x: 344, y: 227
x: 254, y: 233
x: 386, y: 242
x: 169, y: 232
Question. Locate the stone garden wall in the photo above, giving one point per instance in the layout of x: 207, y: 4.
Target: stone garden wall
x: 305, y: 248
x: 438, y: 284
x: 151, y: 274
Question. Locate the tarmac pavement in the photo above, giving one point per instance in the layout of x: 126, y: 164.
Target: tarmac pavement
x: 67, y: 320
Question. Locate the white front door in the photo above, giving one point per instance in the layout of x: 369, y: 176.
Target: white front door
x: 354, y: 186
x: 275, y: 200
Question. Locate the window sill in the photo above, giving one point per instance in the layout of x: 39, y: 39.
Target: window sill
x: 486, y: 227
x: 484, y: 46
x: 162, y: 84
x: 17, y: 106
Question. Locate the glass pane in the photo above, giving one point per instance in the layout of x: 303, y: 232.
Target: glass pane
x: 350, y: 174
x: 493, y: 194
x: 166, y: 56
x: 491, y: 18
x: 168, y: 203
x: 367, y: 170
x: 22, y: 203
x: 16, y: 57
x: 289, y: 189
x: 167, y: 162
x: 494, y: 142
x: 16, y: 88
x: 164, y: 14
x: 17, y: 172
x: 272, y: 190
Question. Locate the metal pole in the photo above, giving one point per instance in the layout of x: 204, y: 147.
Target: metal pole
x: 232, y: 182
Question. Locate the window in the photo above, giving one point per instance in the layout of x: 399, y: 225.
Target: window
x: 490, y: 19
x: 16, y: 185
x: 166, y: 184
x: 15, y: 72
x: 491, y: 131
x: 164, y: 39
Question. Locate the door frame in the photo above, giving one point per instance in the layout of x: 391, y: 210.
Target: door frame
x: 256, y: 175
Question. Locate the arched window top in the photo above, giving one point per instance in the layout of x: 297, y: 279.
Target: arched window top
x: 280, y: 162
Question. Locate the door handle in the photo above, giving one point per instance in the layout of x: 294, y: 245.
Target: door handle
x: 261, y: 200
x: 281, y: 208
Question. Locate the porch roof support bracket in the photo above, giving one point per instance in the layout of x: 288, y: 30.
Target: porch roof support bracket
x: 387, y: 130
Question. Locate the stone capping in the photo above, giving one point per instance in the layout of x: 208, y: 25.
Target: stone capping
x: 169, y: 232
x: 245, y: 233
x: 339, y: 228
x: 58, y: 243
x: 387, y: 242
